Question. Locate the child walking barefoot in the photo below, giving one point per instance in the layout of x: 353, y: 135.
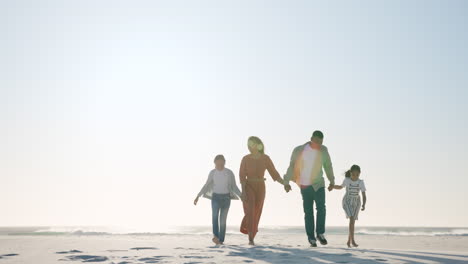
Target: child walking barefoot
x: 352, y: 200
x: 221, y: 188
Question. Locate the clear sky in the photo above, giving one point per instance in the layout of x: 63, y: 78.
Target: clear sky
x: 111, y: 112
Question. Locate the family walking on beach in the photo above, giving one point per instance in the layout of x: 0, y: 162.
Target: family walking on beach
x: 308, y: 161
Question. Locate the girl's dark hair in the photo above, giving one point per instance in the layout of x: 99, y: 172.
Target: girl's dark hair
x: 257, y: 141
x: 353, y: 168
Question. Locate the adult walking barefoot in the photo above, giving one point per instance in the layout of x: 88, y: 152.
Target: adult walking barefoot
x: 251, y: 174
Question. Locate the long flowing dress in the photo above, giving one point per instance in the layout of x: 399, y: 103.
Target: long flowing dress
x: 252, y: 172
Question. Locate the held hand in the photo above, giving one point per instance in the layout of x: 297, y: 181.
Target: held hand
x: 280, y: 181
x: 330, y: 188
x: 363, y: 207
x: 195, y: 201
x: 287, y: 188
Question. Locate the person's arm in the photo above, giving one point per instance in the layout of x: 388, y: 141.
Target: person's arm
x: 234, y: 187
x: 338, y: 187
x: 328, y: 166
x: 364, y: 200
x: 204, y: 188
x: 364, y: 197
x: 243, y: 178
x: 272, y: 171
x: 289, y: 172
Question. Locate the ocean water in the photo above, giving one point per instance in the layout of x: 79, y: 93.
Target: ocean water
x: 202, y: 230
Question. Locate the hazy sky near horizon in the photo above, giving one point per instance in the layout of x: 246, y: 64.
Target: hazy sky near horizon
x: 112, y: 111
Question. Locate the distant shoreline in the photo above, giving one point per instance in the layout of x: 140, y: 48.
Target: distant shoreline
x: 233, y: 230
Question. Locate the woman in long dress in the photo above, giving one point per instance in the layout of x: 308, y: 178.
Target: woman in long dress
x: 252, y: 172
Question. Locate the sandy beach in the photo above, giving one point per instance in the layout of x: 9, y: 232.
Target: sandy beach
x: 193, y: 248
x: 218, y: 132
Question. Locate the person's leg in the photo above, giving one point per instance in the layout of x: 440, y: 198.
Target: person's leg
x: 355, y: 218
x: 250, y: 211
x: 244, y: 225
x: 321, y: 210
x: 321, y: 215
x: 352, y: 224
x: 259, y: 201
x: 308, y: 205
x: 223, y: 218
x: 349, y: 233
x: 214, y: 217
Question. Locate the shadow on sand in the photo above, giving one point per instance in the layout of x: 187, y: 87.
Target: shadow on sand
x: 281, y: 254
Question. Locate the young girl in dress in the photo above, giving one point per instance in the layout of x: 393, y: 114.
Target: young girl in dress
x: 352, y: 200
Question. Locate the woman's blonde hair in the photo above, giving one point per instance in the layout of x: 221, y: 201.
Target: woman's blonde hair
x: 258, y: 142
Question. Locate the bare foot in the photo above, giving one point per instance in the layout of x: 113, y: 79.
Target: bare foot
x: 349, y: 244
x: 251, y: 242
x: 354, y: 244
x: 216, y: 240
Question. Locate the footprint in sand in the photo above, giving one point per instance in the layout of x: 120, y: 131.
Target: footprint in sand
x: 126, y: 261
x: 8, y: 255
x: 379, y: 259
x: 219, y: 251
x: 143, y: 248
x: 187, y: 248
x: 155, y: 259
x: 69, y: 252
x: 237, y: 254
x: 197, y: 257
x: 87, y: 258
